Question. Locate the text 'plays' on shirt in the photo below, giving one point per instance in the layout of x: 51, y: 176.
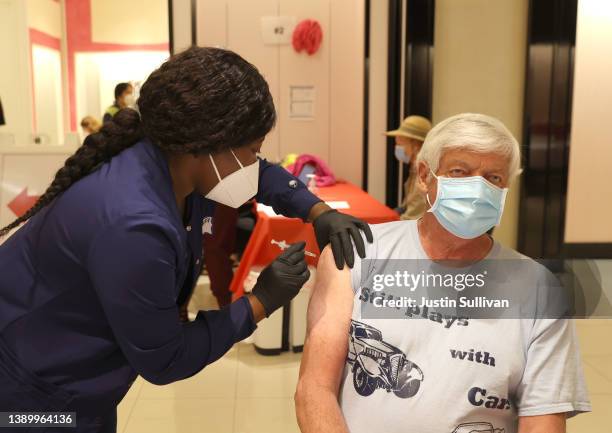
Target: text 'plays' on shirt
x: 455, y: 375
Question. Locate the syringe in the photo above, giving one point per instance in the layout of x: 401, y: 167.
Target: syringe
x: 283, y: 245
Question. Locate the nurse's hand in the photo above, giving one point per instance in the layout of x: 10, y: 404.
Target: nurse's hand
x: 281, y: 281
x: 338, y: 228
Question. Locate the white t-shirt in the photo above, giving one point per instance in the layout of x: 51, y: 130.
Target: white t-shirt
x: 457, y: 376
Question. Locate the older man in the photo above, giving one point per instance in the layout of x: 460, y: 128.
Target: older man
x: 442, y: 373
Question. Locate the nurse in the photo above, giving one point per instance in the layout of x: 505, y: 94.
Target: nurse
x: 90, y: 286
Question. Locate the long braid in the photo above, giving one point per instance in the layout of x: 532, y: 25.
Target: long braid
x: 119, y: 134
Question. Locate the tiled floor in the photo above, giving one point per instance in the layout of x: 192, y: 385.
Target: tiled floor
x: 243, y: 393
x: 596, y: 348
x: 248, y: 393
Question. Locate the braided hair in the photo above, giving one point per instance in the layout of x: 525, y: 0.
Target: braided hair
x: 203, y: 100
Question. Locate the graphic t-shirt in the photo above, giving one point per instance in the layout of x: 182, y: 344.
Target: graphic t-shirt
x: 456, y: 375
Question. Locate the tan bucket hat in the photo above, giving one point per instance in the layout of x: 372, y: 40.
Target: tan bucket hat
x: 415, y: 127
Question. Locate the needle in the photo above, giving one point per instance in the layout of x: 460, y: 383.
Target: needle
x: 284, y: 245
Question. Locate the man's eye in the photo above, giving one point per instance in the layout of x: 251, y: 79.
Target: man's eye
x: 495, y: 180
x: 455, y: 172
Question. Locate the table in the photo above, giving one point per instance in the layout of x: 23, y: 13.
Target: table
x: 269, y: 226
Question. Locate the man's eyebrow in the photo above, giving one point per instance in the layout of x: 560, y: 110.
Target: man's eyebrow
x: 463, y: 163
x: 497, y: 169
x: 458, y: 162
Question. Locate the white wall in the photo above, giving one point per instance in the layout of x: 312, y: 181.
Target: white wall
x: 15, y: 89
x: 235, y: 25
x: 181, y: 25
x: 49, y: 109
x: 347, y: 40
x: 588, y: 204
x: 129, y: 22
x: 45, y: 15
x: 306, y: 136
x: 335, y: 71
x: 97, y: 74
x: 479, y: 66
x: 378, y: 67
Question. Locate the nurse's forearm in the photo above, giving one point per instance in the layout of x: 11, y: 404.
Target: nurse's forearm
x: 318, y: 209
x: 219, y: 330
x: 200, y: 343
x: 259, y: 312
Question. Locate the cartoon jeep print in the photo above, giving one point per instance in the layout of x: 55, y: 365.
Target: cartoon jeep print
x: 477, y: 427
x: 377, y: 364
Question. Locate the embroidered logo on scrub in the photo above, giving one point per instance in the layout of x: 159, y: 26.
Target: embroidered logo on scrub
x: 377, y: 364
x: 207, y: 225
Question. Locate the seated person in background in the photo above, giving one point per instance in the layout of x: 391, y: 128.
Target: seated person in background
x: 458, y: 374
x: 124, y: 97
x: 90, y: 125
x: 409, y: 138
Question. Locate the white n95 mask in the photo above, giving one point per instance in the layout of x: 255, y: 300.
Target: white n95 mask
x: 468, y: 206
x: 237, y: 188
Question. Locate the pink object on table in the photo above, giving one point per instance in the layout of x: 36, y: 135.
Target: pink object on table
x: 324, y: 175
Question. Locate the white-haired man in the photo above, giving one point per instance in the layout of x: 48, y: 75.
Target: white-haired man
x: 442, y: 373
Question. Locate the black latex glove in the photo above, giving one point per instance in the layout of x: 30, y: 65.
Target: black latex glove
x: 281, y: 280
x: 338, y: 228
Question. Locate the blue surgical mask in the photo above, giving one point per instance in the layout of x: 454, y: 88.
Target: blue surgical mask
x: 401, y: 155
x: 468, y: 206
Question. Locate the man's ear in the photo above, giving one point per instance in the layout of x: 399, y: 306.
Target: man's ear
x: 423, y: 177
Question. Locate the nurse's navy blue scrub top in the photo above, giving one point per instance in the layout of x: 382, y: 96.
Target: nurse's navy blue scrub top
x: 89, y: 287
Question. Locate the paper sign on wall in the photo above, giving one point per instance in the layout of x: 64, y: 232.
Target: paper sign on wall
x: 302, y: 102
x: 277, y: 30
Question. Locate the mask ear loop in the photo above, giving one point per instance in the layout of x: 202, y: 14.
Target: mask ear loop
x: 215, y: 166
x: 236, y: 158
x: 431, y: 206
x: 240, y: 164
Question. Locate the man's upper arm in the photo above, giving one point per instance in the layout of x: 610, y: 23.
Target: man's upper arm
x: 554, y: 423
x: 329, y: 316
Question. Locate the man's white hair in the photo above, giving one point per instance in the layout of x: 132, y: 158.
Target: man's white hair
x: 473, y: 132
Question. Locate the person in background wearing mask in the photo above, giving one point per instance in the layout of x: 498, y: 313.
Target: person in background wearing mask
x: 90, y: 285
x: 409, y: 138
x: 449, y: 369
x: 90, y: 125
x: 124, y: 98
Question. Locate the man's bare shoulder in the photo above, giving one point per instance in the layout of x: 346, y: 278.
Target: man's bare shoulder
x: 328, y: 275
